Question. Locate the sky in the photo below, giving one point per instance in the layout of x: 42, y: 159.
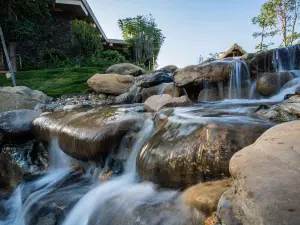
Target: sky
x: 191, y: 27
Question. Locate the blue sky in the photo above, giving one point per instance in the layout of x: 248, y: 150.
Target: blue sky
x: 191, y: 27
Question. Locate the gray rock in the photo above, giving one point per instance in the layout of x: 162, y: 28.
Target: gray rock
x: 153, y: 79
x: 15, y: 125
x: 20, y: 97
x: 125, y: 69
x: 126, y: 98
x: 266, y: 176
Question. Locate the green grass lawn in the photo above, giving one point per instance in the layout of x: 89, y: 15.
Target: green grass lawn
x: 55, y: 82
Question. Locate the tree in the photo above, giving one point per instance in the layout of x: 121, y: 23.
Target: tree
x: 266, y: 24
x: 279, y: 17
x: 143, y: 37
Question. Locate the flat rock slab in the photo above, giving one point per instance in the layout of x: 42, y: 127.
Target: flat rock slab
x: 267, y: 180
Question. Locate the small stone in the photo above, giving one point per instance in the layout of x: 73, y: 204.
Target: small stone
x: 105, y: 176
x: 271, y: 114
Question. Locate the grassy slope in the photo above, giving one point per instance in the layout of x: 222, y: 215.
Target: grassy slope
x: 55, y: 82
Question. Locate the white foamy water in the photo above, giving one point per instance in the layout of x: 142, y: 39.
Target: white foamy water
x: 37, y: 189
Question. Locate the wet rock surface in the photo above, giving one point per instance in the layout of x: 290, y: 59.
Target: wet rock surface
x: 205, y: 196
x: 15, y: 125
x: 10, y: 173
x: 88, y: 134
x: 193, y: 146
x: 266, y: 175
x: 270, y: 83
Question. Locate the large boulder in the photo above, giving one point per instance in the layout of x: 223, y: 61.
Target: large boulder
x: 205, y: 196
x: 195, y: 75
x: 153, y: 79
x: 125, y: 69
x: 88, y: 135
x: 111, y: 83
x: 183, y: 152
x: 266, y: 180
x: 164, y: 88
x: 269, y: 83
x: 157, y: 102
x: 15, y: 125
x: 20, y: 97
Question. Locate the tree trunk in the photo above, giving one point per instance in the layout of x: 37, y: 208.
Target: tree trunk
x: 262, y: 38
x: 294, y: 22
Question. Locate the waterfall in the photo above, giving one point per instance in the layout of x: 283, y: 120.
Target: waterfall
x: 103, y: 192
x: 206, y: 89
x: 35, y: 190
x: 162, y: 87
x: 285, y: 59
x: 239, y: 78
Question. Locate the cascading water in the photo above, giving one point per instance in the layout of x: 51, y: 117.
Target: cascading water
x: 285, y: 59
x: 121, y: 194
x: 240, y: 84
x: 239, y: 79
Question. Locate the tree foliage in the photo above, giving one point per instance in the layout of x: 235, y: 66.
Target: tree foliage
x: 267, y: 26
x: 21, y: 19
x: 143, y: 37
x: 278, y: 17
x: 86, y: 40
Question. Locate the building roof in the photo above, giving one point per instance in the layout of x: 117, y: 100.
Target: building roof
x: 83, y: 9
x: 230, y: 50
